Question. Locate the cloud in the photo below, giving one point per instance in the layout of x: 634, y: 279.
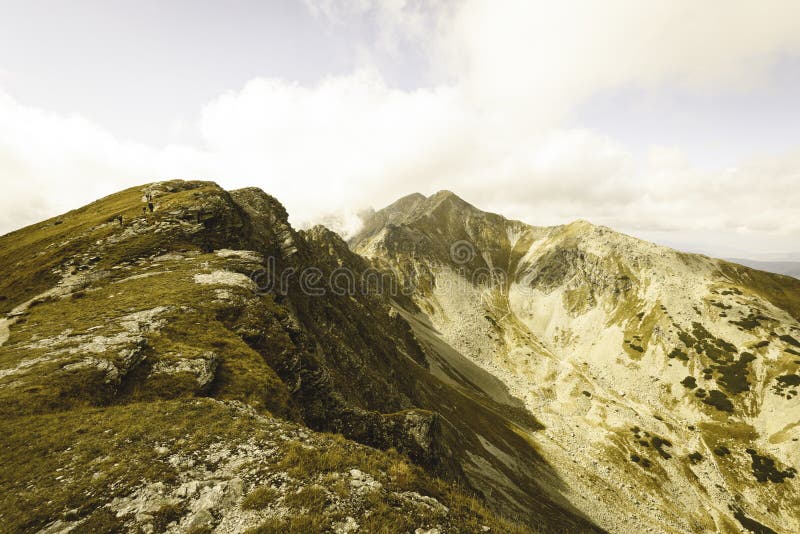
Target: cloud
x: 492, y: 128
x: 50, y: 161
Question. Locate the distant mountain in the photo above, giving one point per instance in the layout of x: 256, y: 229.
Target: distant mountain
x: 789, y: 268
x: 667, y: 383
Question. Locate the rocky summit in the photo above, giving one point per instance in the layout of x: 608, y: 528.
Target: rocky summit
x: 178, y: 358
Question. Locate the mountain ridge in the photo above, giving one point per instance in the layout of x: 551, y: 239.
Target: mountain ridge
x: 587, y: 316
x: 113, y: 309
x: 497, y: 374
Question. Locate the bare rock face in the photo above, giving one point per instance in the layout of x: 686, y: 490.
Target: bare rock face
x: 201, y: 368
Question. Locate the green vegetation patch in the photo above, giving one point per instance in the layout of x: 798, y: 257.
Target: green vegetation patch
x: 752, y: 321
x: 751, y: 524
x: 722, y: 450
x: 695, y: 458
x: 731, y: 291
x: 312, y: 498
x: 163, y: 319
x: 679, y: 354
x: 260, y: 498
x: 786, y: 338
x: 719, y: 400
x: 715, y: 348
x: 81, y: 460
x: 784, y: 382
x: 733, y: 376
x: 765, y: 469
x: 733, y: 372
x: 659, y: 445
x: 84, y: 458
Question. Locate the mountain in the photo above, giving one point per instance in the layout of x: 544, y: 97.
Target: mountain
x: 666, y: 383
x: 205, y: 367
x: 789, y: 268
x: 199, y: 365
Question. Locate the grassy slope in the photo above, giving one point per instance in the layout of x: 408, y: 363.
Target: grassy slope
x: 72, y: 464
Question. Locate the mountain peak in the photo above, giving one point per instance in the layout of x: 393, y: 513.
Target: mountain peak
x: 445, y: 196
x: 444, y: 193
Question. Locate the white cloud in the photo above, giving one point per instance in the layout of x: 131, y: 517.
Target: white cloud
x: 491, y: 130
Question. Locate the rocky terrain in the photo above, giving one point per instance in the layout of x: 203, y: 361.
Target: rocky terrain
x: 205, y: 367
x: 666, y: 383
x: 177, y: 370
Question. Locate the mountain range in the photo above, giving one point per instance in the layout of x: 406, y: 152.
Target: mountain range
x: 203, y: 366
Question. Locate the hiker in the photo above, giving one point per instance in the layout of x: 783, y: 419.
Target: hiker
x: 119, y: 220
x: 150, y: 206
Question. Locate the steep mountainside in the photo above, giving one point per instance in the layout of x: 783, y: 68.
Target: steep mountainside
x: 205, y: 367
x: 667, y: 383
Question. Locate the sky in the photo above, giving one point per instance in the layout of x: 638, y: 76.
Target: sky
x: 675, y: 121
